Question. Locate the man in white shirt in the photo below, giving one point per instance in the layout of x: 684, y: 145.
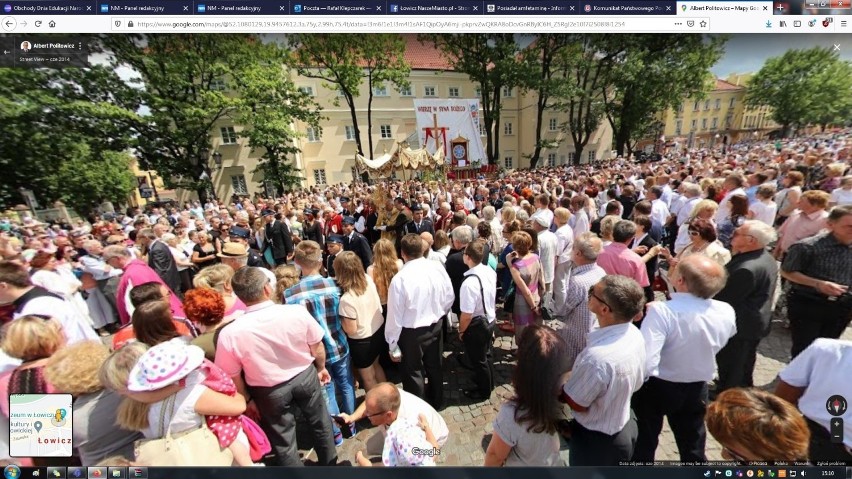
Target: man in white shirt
x: 419, y: 297
x: 477, y: 298
x: 605, y: 376
x: 690, y: 197
x: 542, y: 203
x: 564, y: 246
x: 659, y: 210
x: 547, y: 255
x: 811, y: 381
x: 682, y: 337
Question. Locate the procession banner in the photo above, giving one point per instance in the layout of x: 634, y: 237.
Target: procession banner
x: 453, y: 118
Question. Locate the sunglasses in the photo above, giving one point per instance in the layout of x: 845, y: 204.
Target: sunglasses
x: 374, y: 414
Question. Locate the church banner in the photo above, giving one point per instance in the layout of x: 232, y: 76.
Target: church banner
x: 449, y: 120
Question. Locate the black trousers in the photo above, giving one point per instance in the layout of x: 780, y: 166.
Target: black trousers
x: 684, y: 404
x: 477, y: 348
x: 594, y: 448
x: 422, y: 352
x: 280, y: 261
x: 736, y: 364
x: 276, y: 405
x: 821, y: 449
x: 812, y: 318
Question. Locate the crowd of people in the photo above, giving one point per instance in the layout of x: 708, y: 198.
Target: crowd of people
x: 633, y: 292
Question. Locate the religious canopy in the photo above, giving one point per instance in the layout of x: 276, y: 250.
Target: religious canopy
x: 403, y: 157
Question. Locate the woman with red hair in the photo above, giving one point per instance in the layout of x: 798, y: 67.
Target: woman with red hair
x: 205, y: 307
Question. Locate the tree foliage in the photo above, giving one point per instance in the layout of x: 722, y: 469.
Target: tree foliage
x: 344, y: 63
x: 63, y: 129
x: 803, y: 87
x: 491, y: 60
x: 654, y: 72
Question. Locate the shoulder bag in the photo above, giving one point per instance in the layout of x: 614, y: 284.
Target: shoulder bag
x: 195, y: 447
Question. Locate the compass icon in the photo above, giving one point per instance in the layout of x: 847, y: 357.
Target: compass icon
x: 836, y: 405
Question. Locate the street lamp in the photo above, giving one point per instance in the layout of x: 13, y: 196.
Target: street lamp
x: 217, y: 159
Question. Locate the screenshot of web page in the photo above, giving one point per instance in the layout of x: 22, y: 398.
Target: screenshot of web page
x: 152, y: 152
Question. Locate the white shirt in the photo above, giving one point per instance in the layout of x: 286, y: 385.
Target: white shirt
x: 543, y: 213
x: 841, y: 197
x: 667, y: 195
x: 686, y: 208
x: 184, y: 417
x: 823, y: 370
x: 682, y: 337
x: 605, y: 376
x: 764, y: 212
x: 419, y: 295
x: 580, y: 223
x: 411, y: 407
x: 547, y: 254
x: 725, y: 206
x: 659, y: 212
x: 564, y: 244
x: 470, y: 295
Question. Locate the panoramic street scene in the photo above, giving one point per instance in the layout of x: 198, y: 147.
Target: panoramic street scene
x: 478, y: 249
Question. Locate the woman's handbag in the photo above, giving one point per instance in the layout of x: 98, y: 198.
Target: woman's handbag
x: 509, y: 299
x: 196, y: 447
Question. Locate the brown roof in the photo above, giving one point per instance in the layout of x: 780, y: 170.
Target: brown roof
x: 723, y: 85
x: 424, y: 56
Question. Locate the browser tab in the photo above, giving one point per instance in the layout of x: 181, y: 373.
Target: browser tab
x: 144, y: 7
x: 50, y: 8
x: 338, y: 7
x: 642, y: 7
x: 532, y: 7
x: 426, y: 7
x: 241, y: 7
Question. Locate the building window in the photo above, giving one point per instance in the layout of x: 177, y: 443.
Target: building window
x: 507, y: 128
x: 592, y: 155
x: 350, y: 132
x: 694, y: 125
x: 229, y: 136
x: 551, y: 159
x: 482, y: 131
x: 478, y: 92
x: 718, y: 103
x: 307, y: 90
x: 704, y: 123
x: 553, y: 124
x: 678, y: 127
x: 680, y: 108
x: 380, y: 90
x: 733, y: 101
x: 239, y: 184
x: 386, y: 131
x: 507, y: 162
x: 571, y: 157
x: 218, y: 84
x: 454, y: 92
x: 715, y: 123
x: 429, y: 91
x: 507, y: 92
x: 313, y: 134
x: 319, y: 177
x: 695, y: 106
x: 405, y: 90
x: 706, y: 105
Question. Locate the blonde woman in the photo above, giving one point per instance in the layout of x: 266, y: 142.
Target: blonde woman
x: 218, y: 277
x: 607, y: 227
x: 74, y: 370
x: 361, y: 315
x: 286, y: 276
x: 385, y: 265
x: 704, y: 209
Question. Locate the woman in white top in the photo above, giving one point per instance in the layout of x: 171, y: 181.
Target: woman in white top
x: 704, y: 209
x: 361, y: 315
x: 182, y: 260
x: 47, y: 274
x: 843, y: 195
x: 788, y: 198
x: 703, y: 235
x: 764, y: 208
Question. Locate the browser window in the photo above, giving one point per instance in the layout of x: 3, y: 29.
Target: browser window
x: 124, y: 115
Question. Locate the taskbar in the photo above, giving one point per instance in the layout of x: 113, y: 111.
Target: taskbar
x: 706, y: 471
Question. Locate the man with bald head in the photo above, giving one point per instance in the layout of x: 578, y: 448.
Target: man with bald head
x: 682, y: 338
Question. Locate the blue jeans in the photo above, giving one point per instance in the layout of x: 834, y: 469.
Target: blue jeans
x: 341, y: 377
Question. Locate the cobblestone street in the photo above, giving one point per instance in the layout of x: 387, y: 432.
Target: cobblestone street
x: 470, y: 422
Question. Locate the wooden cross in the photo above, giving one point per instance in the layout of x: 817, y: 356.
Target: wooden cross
x: 439, y: 133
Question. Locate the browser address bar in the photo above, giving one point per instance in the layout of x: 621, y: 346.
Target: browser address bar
x: 413, y: 25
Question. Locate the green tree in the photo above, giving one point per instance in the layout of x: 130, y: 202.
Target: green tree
x: 802, y: 87
x: 271, y: 106
x: 344, y: 63
x: 89, y: 178
x: 491, y: 60
x: 654, y: 72
x: 181, y: 79
x: 51, y: 119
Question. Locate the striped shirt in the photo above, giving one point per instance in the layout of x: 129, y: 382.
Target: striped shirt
x: 821, y: 257
x: 578, y: 319
x: 321, y: 297
x: 606, y: 375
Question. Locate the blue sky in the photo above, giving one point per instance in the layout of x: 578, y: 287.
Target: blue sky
x: 746, y: 53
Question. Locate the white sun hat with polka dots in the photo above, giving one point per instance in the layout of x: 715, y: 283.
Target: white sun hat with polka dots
x: 164, y: 364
